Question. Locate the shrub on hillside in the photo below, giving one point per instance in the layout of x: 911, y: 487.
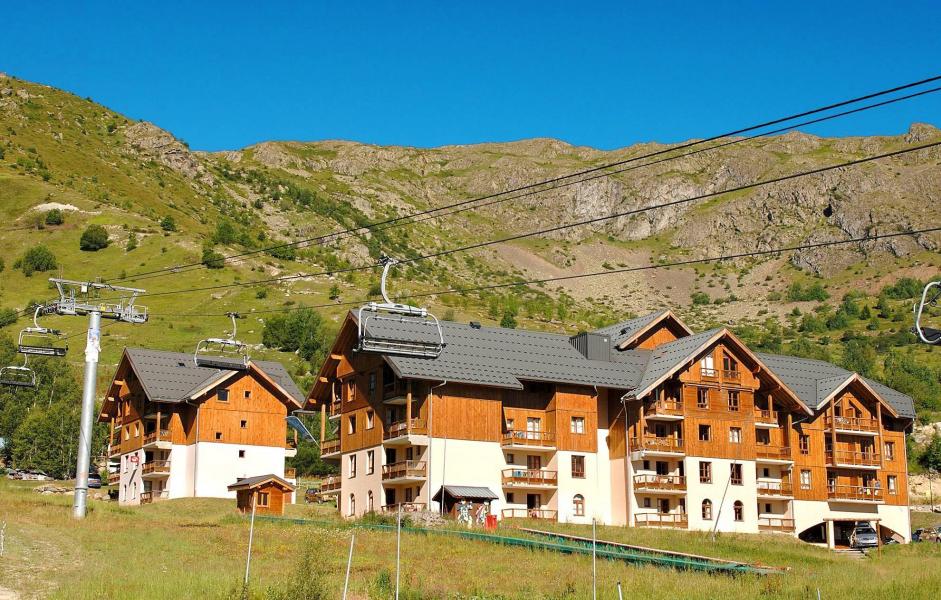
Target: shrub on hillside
x: 94, y: 238
x: 55, y: 217
x: 36, y: 259
x: 800, y: 293
x: 300, y: 331
x: 700, y: 298
x: 283, y: 252
x: 904, y: 288
x: 167, y: 223
x: 131, y: 242
x: 7, y: 316
x: 508, y: 321
x: 212, y: 259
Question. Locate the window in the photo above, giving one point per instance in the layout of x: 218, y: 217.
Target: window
x: 735, y: 435
x: 370, y: 419
x: 805, y: 479
x: 350, y: 389
x: 766, y: 472
x: 578, y: 466
x: 738, y: 509
x: 510, y: 459
x: 533, y: 425
x: 702, y: 398
x: 578, y: 505
x: 408, y: 494
x: 707, y: 510
x: 241, y: 454
x: 136, y: 429
x: 127, y: 433
x: 509, y: 424
x: 369, y: 507
x: 708, y: 366
x: 647, y: 502
x: 244, y: 424
x: 804, y: 443
x: 705, y: 472
x: 734, y: 404
x: 705, y: 433
x: 248, y: 394
x: 510, y: 498
x: 577, y: 425
x: 763, y: 437
x: 892, y: 484
x: 352, y: 424
x: 352, y: 511
x: 222, y: 395
x: 735, y: 475
x: 890, y: 450
x: 218, y: 435
x: 370, y: 462
x: 372, y: 387
x: 352, y: 465
x: 767, y: 507
x: 263, y: 499
x: 729, y: 363
x: 646, y: 465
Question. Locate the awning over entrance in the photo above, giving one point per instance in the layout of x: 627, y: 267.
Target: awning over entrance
x: 452, y: 493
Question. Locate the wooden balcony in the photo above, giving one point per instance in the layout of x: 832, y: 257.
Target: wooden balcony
x: 856, y: 425
x: 776, y: 489
x: 709, y: 374
x: 530, y: 513
x: 775, y: 524
x: 155, y: 469
x: 290, y: 473
x: 774, y: 454
x: 404, y: 471
x: 660, y: 483
x: 657, y: 445
x: 151, y: 497
x: 334, y: 409
x: 855, y: 493
x: 159, y: 439
x: 766, y: 418
x: 114, y: 478
x: 731, y: 375
x: 658, y: 519
x: 528, y: 439
x: 403, y: 432
x: 114, y: 451
x: 665, y: 410
x: 330, y: 483
x: 329, y: 447
x: 530, y: 478
x: 290, y: 448
x: 854, y: 459
x: 406, y: 507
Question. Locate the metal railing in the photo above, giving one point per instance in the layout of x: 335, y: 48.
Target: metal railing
x: 855, y: 458
x: 658, y: 519
x: 775, y: 524
x: 530, y: 477
x: 775, y: 488
x: 156, y: 467
x: 660, y: 482
x: 404, y: 468
x: 329, y: 447
x: 162, y: 435
x: 663, y: 444
x: 529, y: 513
x: 852, y: 424
x: 516, y: 437
x: 400, y: 428
x: 407, y: 507
x: 868, y: 493
x: 773, y: 452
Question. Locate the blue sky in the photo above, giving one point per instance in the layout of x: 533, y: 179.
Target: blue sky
x: 604, y: 74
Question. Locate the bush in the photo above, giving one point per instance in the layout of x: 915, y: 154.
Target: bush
x: 799, y: 293
x: 7, y: 316
x: 508, y: 321
x: 131, y: 242
x: 94, y: 238
x: 282, y: 252
x: 36, y: 260
x: 262, y: 293
x: 700, y: 298
x: 931, y: 458
x: 167, y: 223
x: 300, y: 331
x: 212, y: 259
x: 904, y: 288
x: 54, y: 217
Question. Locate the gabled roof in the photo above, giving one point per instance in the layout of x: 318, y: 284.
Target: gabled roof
x: 259, y: 480
x: 625, y: 332
x: 815, y: 381
x: 466, y: 492
x: 174, y: 377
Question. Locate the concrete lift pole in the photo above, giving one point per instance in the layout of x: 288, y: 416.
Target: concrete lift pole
x: 79, y: 298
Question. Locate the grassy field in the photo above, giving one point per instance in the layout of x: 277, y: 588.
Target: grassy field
x: 196, y: 549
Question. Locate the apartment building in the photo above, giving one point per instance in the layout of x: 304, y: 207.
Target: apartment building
x: 645, y: 423
x: 181, y: 430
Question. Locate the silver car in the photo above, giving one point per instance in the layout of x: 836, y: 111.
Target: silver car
x: 864, y: 536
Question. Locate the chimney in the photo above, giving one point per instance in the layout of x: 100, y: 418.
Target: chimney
x: 593, y: 346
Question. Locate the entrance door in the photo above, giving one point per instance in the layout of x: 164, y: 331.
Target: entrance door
x: 663, y: 467
x: 533, y: 463
x: 533, y: 427
x: 390, y: 456
x: 664, y: 505
x: 533, y: 501
x: 390, y: 496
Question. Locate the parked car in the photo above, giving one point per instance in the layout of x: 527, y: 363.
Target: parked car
x: 94, y: 480
x: 312, y: 495
x: 864, y: 536
x: 927, y: 534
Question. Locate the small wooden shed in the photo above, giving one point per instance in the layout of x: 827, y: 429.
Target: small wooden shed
x: 269, y: 492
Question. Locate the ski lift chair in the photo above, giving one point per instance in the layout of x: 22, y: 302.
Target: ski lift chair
x: 18, y: 376
x: 222, y: 353
x: 928, y: 335
x: 39, y: 340
x: 398, y: 329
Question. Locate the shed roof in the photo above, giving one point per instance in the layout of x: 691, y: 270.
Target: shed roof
x: 246, y: 483
x: 466, y: 492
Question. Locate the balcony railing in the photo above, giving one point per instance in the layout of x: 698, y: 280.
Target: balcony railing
x: 290, y: 473
x: 530, y: 513
x: 406, y: 507
x: 114, y: 478
x: 773, y: 452
x: 150, y: 497
x: 660, y: 482
x: 329, y: 447
x: 775, y: 524
x: 775, y: 488
x: 707, y: 373
x: 334, y: 408
x: 855, y: 492
x: 852, y: 424
x: 854, y: 458
x: 330, y: 483
x: 661, y: 444
x: 514, y: 437
x: 400, y: 428
x: 405, y: 468
x: 153, y: 437
x: 666, y: 407
x: 537, y: 477
x: 156, y: 467
x: 657, y: 519
x: 766, y: 416
x: 731, y: 375
x: 114, y: 450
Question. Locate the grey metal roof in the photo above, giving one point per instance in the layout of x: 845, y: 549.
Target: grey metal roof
x: 500, y: 357
x: 173, y: 376
x: 628, y: 329
x: 247, y: 482
x: 666, y: 357
x: 461, y: 492
x: 815, y: 380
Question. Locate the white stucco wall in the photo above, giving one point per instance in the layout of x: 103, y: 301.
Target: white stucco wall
x: 218, y: 466
x: 180, y: 482
x: 595, y: 487
x: 360, y: 485
x: 131, y: 484
x: 722, y: 511
x: 464, y: 462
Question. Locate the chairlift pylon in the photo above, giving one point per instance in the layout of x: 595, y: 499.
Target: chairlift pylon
x: 222, y: 353
x: 18, y: 376
x: 40, y: 341
x: 928, y: 335
x: 388, y: 327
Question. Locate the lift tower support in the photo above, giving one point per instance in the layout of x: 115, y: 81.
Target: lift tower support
x: 80, y: 298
